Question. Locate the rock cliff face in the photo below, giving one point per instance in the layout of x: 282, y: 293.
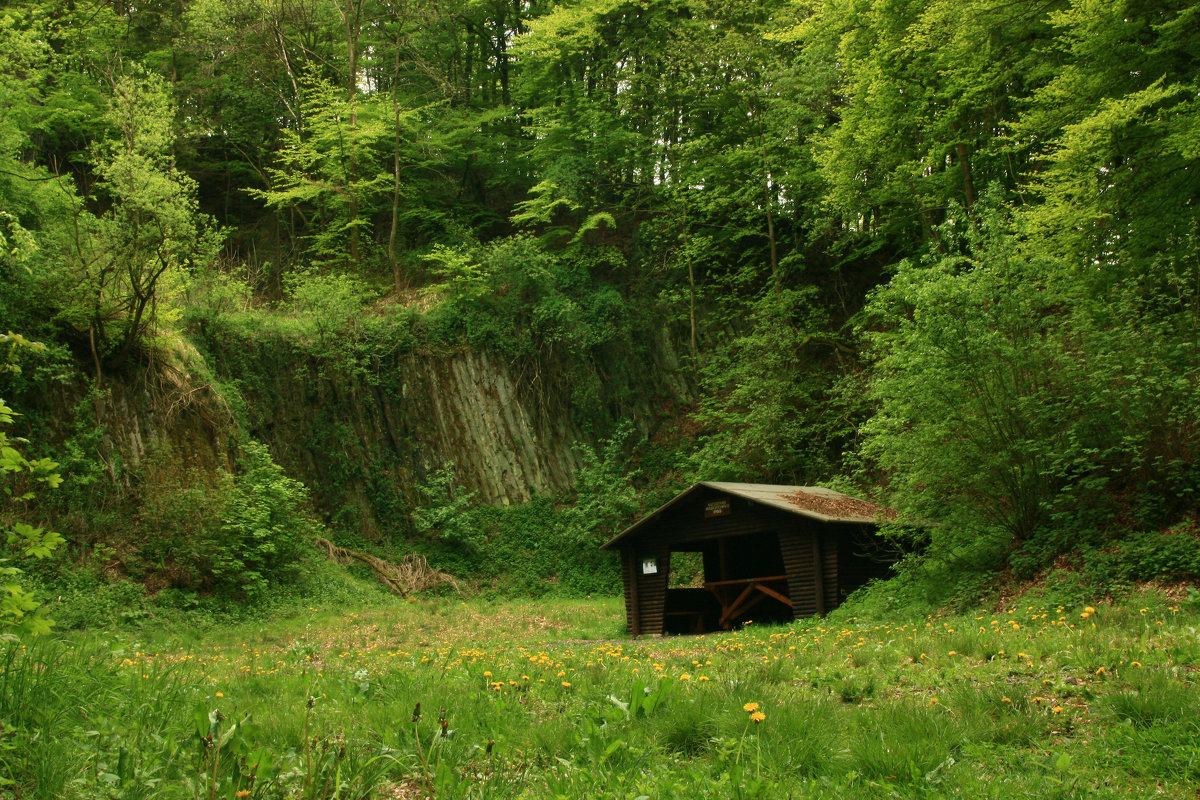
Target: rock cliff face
x: 364, y: 435
x: 163, y: 417
x: 365, y: 439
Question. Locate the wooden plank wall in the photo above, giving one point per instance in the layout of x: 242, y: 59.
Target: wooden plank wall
x: 629, y: 577
x: 830, y: 536
x: 651, y: 592
x: 692, y: 527
x: 797, y: 550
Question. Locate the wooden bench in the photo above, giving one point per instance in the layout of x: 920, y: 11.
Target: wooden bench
x: 739, y: 595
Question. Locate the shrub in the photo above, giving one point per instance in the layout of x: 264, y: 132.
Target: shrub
x: 1019, y: 408
x: 265, y: 526
x: 1170, y: 555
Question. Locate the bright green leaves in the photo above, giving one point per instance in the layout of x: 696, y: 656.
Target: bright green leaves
x: 1019, y: 406
x: 34, y: 542
x: 927, y: 91
x: 516, y: 297
x: 1117, y: 127
x: 546, y: 201
x: 126, y: 265
x: 333, y: 167
x: 768, y: 408
x: 264, y: 527
x: 970, y: 379
x: 18, y: 478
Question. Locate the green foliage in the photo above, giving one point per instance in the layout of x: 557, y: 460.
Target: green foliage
x: 770, y: 411
x: 971, y: 387
x: 331, y: 168
x: 125, y: 266
x: 87, y: 596
x: 265, y: 528
x: 1172, y: 555
x: 506, y: 700
x: 516, y: 298
x: 334, y: 306
x: 228, y: 537
x: 542, y: 546
x: 21, y: 480
x: 1117, y: 120
x: 1016, y: 407
x: 446, y: 511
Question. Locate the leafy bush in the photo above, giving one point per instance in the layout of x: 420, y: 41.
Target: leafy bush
x: 1171, y: 555
x: 514, y: 297
x: 443, y: 514
x: 771, y: 410
x: 332, y: 306
x: 21, y: 478
x: 543, y: 545
x: 86, y: 597
x: 1015, y: 407
x: 265, y: 526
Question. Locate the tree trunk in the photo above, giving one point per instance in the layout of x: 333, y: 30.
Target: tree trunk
x: 353, y: 18
x: 768, y: 201
x: 964, y: 162
x: 396, y: 281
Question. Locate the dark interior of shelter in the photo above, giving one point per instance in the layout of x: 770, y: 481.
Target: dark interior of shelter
x: 732, y: 559
x: 757, y: 557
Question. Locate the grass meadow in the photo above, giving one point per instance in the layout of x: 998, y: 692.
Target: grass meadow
x: 451, y: 699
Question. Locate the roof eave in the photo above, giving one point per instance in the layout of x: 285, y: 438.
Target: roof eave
x: 652, y: 515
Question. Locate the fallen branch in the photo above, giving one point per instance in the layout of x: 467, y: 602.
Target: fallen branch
x: 412, y: 574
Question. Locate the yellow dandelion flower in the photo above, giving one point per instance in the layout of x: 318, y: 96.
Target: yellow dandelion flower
x: 952, y: 653
x: 1135, y: 663
x: 750, y: 708
x: 758, y: 716
x: 1057, y: 709
x: 487, y: 674
x: 1101, y: 671
x: 566, y: 684
x: 1090, y: 610
x: 1005, y: 700
x: 220, y: 694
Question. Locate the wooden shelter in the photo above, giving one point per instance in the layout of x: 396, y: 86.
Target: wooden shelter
x: 767, y: 553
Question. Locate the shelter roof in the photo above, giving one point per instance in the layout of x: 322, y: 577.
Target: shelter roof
x: 815, y: 502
